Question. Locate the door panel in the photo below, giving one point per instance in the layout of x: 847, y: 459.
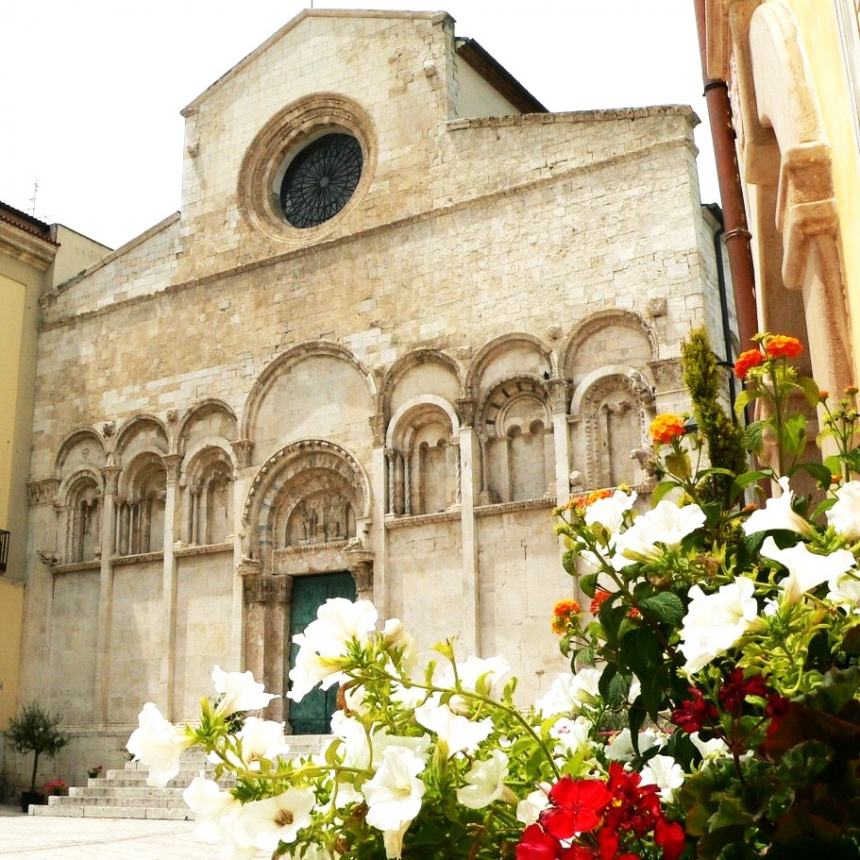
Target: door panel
x: 311, y: 716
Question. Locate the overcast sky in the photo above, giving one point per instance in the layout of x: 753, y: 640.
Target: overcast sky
x: 92, y: 89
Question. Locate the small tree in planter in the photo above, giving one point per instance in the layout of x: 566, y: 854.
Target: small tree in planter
x: 35, y: 730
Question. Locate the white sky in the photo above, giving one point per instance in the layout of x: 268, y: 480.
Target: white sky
x: 92, y: 89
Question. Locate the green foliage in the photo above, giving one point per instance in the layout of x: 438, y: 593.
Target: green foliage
x: 35, y: 730
x: 724, y: 439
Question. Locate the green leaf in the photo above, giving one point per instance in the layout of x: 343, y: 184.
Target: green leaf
x: 743, y: 400
x: 743, y: 481
x: 661, y: 490
x: 793, y: 434
x: 641, y: 652
x: 818, y: 471
x: 568, y: 561
x: 588, y: 584
x: 834, y: 463
x: 810, y: 389
x: 665, y: 606
x: 753, y: 436
x: 678, y: 464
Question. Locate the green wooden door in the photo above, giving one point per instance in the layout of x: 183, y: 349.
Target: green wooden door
x: 311, y: 716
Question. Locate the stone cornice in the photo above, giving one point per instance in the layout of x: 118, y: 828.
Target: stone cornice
x: 205, y: 549
x: 140, y: 558
x: 395, y: 522
x: 77, y: 566
x: 514, y: 507
x: 26, y: 247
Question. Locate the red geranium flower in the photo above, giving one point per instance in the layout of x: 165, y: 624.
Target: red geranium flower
x: 537, y: 845
x: 670, y: 836
x: 735, y: 689
x: 746, y: 361
x: 693, y: 714
x: 577, y: 806
x: 598, y: 600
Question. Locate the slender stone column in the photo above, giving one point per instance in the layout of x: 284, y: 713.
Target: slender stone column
x: 471, y: 617
x: 391, y: 468
x: 105, y: 611
x: 203, y: 512
x: 240, y: 614
x: 168, y: 586
x: 195, y: 513
x: 378, y: 534
x: 560, y: 439
x: 407, y: 483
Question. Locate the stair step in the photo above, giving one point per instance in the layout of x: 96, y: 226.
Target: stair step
x: 102, y: 811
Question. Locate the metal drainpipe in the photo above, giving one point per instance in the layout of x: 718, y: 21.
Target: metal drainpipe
x: 724, y: 303
x: 734, y: 217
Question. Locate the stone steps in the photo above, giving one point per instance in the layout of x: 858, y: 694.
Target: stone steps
x: 123, y: 793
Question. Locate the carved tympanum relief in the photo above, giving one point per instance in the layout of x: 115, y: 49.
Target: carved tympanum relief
x: 319, y: 518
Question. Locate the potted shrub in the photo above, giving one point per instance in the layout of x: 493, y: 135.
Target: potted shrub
x: 55, y: 788
x: 95, y: 772
x: 35, y: 730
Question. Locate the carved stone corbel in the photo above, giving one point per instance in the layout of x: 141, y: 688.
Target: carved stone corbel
x: 42, y: 492
x: 466, y: 411
x: 242, y: 448
x: 360, y: 563
x: 377, y: 427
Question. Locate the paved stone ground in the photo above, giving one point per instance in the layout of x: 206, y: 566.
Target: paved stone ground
x: 27, y: 837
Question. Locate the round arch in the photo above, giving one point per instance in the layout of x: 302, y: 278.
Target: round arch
x: 505, y: 341
x: 597, y: 321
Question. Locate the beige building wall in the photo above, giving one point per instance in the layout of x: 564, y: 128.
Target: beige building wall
x: 486, y: 327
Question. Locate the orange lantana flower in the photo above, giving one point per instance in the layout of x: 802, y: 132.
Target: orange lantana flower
x: 562, y: 613
x: 746, y: 361
x: 782, y: 346
x: 599, y: 599
x: 666, y: 427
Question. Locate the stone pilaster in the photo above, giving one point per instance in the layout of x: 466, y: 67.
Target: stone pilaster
x: 168, y: 585
x: 104, y: 621
x: 470, y: 617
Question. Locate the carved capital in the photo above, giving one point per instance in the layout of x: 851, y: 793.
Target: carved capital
x: 466, y: 411
x: 377, y: 427
x: 361, y: 567
x: 242, y: 448
x: 667, y: 374
x: 171, y: 416
x: 172, y: 462
x: 42, y: 492
x: 270, y: 589
x: 109, y: 428
x: 110, y: 475
x: 559, y: 394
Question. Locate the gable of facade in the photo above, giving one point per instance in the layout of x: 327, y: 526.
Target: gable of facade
x: 403, y: 392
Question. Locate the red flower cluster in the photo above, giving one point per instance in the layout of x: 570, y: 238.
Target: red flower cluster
x: 782, y: 346
x: 736, y: 688
x: 747, y: 360
x: 600, y: 597
x: 563, y: 615
x: 692, y: 715
x: 606, y: 818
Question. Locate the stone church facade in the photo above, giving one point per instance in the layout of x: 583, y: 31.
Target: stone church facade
x: 240, y: 403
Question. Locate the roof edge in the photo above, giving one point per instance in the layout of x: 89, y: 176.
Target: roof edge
x: 113, y: 255
x: 492, y: 71
x: 601, y: 115
x: 192, y: 106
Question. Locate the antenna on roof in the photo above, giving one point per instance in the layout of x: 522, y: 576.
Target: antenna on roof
x: 33, y: 198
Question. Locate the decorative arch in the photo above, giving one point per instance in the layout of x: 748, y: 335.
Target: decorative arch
x: 200, y: 408
x: 286, y: 360
x: 515, y: 435
x: 132, y: 426
x: 81, y: 497
x: 499, y: 344
x: 614, y: 406
x: 81, y: 434
x: 206, y: 493
x: 323, y: 475
x: 802, y: 204
x: 140, y: 504
x: 405, y: 363
x: 597, y: 321
x: 423, y: 457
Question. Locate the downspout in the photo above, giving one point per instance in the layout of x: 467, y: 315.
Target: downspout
x: 724, y: 303
x: 737, y: 235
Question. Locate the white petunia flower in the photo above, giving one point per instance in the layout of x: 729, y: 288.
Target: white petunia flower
x: 382, y: 740
x: 845, y: 588
x: 844, y: 516
x: 806, y: 570
x: 394, y: 796
x: 485, y: 782
x: 355, y: 748
x: 262, y: 739
x: 395, y: 637
x: 665, y: 525
x: 239, y: 692
x: 212, y: 809
x: 777, y: 514
x: 277, y: 819
x: 530, y: 808
x: 568, y: 693
x: 323, y: 643
x: 158, y: 744
x: 620, y: 748
x: 407, y: 697
x: 459, y: 733
x: 609, y: 512
x: 711, y: 750
x: 714, y: 622
x: 571, y: 734
x: 495, y: 670
x: 664, y: 772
